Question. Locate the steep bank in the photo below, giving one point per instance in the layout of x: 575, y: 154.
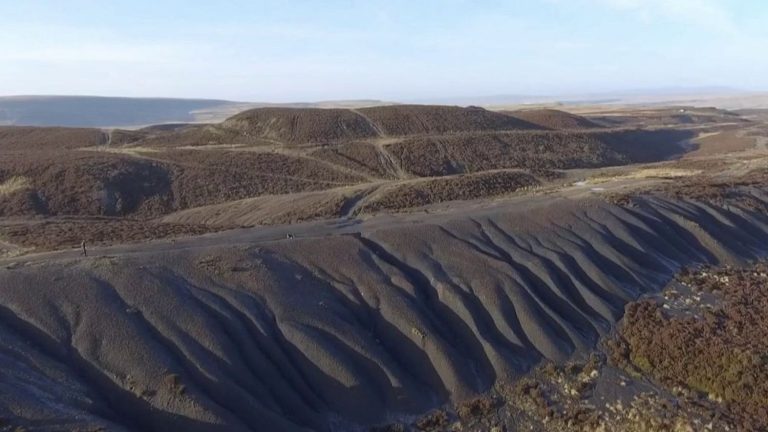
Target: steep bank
x: 341, y: 330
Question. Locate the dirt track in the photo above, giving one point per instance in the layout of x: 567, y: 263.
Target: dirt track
x: 345, y: 225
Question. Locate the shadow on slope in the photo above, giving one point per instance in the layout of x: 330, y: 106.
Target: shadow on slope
x: 333, y: 332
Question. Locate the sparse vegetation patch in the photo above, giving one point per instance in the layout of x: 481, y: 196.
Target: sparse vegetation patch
x: 14, y: 184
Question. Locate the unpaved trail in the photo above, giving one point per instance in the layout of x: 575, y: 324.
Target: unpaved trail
x: 353, y: 205
x: 761, y: 141
x: 10, y: 250
x: 336, y: 167
x: 579, y: 191
x: 388, y: 160
x: 303, y: 154
x: 107, y: 137
x: 373, y: 125
x: 346, y: 225
x: 144, y: 152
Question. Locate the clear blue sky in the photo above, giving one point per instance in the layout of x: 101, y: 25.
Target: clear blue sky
x: 396, y: 50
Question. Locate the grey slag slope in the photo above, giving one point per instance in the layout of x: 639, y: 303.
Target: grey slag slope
x: 335, y: 332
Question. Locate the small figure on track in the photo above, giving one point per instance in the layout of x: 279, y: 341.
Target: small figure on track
x: 82, y: 246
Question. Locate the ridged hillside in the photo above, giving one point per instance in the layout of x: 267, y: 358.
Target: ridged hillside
x: 402, y: 120
x: 18, y: 138
x: 332, y: 332
x: 553, y: 119
x: 299, y: 126
x: 433, y: 156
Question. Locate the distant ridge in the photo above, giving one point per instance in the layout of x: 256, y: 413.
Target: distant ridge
x: 108, y: 112
x: 721, y: 97
x: 133, y: 113
x: 90, y: 111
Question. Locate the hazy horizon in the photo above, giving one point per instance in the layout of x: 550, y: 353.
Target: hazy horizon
x: 393, y: 51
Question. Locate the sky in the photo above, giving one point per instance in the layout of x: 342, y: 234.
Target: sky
x: 396, y: 50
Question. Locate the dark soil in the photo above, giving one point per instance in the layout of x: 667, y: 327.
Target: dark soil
x: 212, y: 177
x: 534, y: 150
x: 103, y: 184
x: 81, y: 183
x: 26, y: 139
x: 301, y: 125
x: 465, y: 187
x: 53, y: 235
x: 553, y: 119
x: 357, y: 156
x: 403, y: 120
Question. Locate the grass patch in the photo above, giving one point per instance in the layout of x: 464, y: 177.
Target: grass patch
x: 130, y: 151
x: 14, y: 184
x: 645, y: 173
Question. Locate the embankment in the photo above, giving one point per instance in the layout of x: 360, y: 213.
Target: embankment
x: 340, y: 331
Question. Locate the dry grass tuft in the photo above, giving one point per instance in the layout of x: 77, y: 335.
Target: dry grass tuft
x: 130, y: 151
x: 14, y: 184
x: 646, y: 173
